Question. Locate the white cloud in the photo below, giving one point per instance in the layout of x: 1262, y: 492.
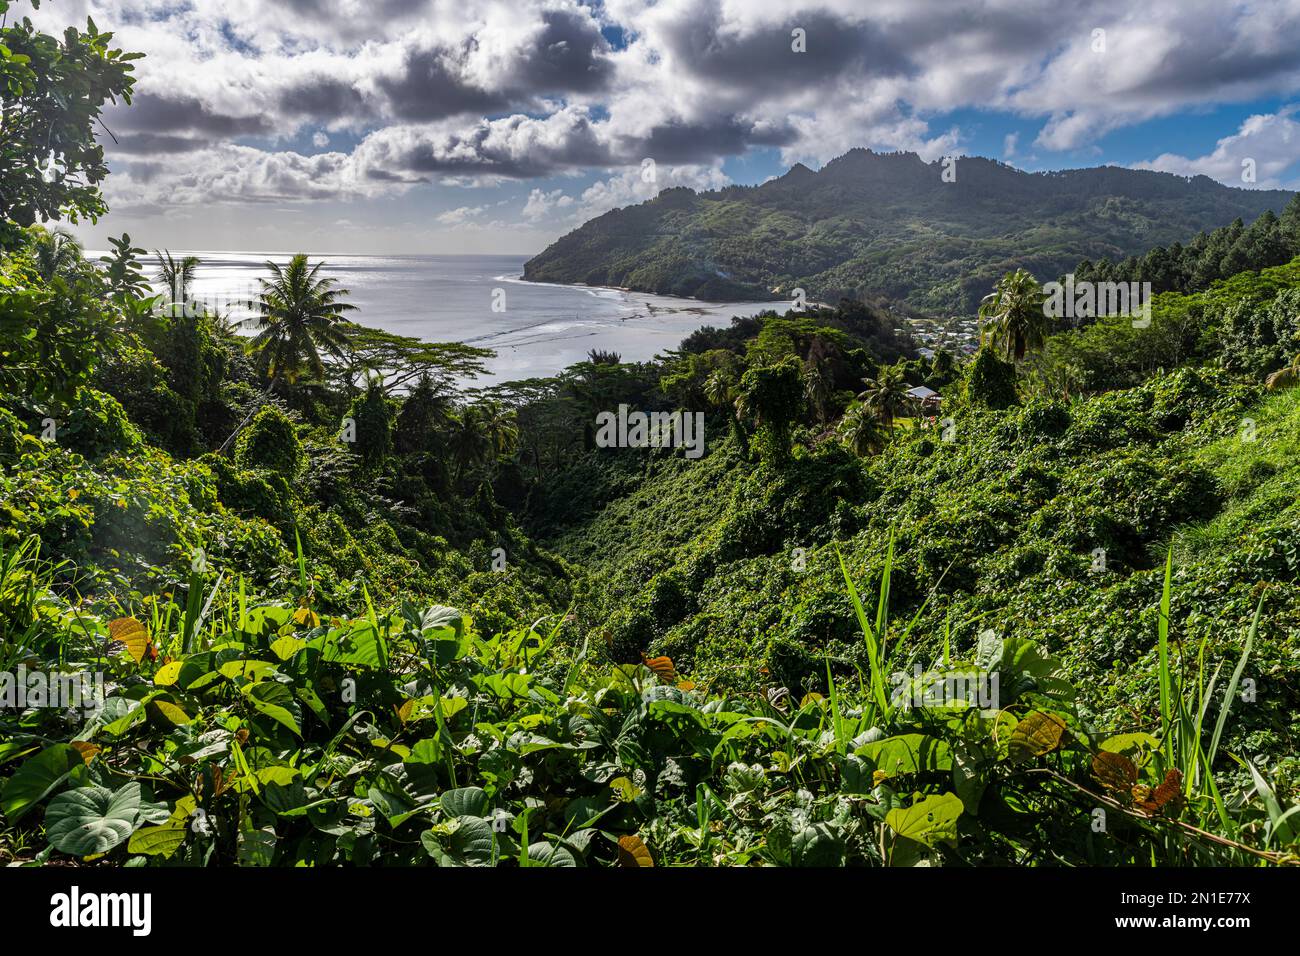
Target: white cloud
x: 632, y: 186
x: 1266, y: 144
x: 540, y: 204
x: 458, y: 216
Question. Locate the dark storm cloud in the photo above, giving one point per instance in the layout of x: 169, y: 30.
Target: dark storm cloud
x: 324, y: 98
x: 429, y: 88
x: 696, y: 142
x: 150, y: 143
x: 1198, y: 63
x: 151, y: 112
x: 764, y: 62
x: 568, y: 55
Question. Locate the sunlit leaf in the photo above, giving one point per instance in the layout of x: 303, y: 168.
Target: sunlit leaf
x: 131, y: 634
x: 1037, y: 734
x: 632, y: 851
x: 929, y: 821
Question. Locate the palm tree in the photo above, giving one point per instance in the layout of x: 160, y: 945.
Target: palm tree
x: 55, y: 252
x: 300, y: 316
x: 719, y: 389
x: 860, y: 431
x: 176, y: 275
x: 885, y: 395
x: 1288, y: 377
x: 1012, y: 315
x: 818, y: 385
x: 502, y: 429
x: 470, y: 439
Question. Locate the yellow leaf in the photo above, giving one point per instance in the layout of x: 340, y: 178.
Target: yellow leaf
x: 305, y: 615
x: 624, y: 789
x: 285, y: 647
x: 633, y: 852
x: 1037, y: 734
x: 171, y: 712
x: 166, y: 675
x: 132, y: 633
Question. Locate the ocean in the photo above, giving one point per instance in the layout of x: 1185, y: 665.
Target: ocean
x: 537, y: 330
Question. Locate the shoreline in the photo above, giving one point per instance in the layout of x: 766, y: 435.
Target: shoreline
x: 629, y: 291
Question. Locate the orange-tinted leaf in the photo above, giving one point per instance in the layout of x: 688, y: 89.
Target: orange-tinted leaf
x: 633, y: 852
x: 86, y: 749
x: 1167, y: 796
x: 662, y: 667
x: 1114, y: 771
x: 132, y: 634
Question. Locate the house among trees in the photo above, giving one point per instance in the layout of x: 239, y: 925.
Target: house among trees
x: 927, y: 398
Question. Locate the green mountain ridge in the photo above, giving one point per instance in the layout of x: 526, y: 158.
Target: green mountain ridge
x: 886, y: 225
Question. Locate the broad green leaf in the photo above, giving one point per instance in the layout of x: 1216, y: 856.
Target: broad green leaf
x: 37, y: 778
x: 817, y: 845
x: 907, y: 753
x: 544, y: 854
x: 256, y: 847
x: 285, y: 647
x: 929, y: 821
x: 161, y: 840
x: 467, y: 801
x: 1127, y: 743
x: 91, y: 820
x: 276, y: 701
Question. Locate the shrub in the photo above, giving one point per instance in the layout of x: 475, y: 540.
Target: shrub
x: 270, y: 441
x: 991, y: 382
x: 97, y: 426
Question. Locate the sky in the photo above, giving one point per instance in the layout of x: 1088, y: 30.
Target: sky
x: 481, y: 126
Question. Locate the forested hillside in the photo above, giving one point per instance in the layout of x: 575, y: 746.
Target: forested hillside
x: 871, y: 225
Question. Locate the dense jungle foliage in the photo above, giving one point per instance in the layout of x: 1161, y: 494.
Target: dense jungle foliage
x: 341, y: 607
x: 870, y: 225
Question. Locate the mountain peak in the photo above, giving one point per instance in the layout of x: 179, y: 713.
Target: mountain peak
x: 871, y: 225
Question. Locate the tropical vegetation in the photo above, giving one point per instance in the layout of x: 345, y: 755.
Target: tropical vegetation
x: 337, y: 604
